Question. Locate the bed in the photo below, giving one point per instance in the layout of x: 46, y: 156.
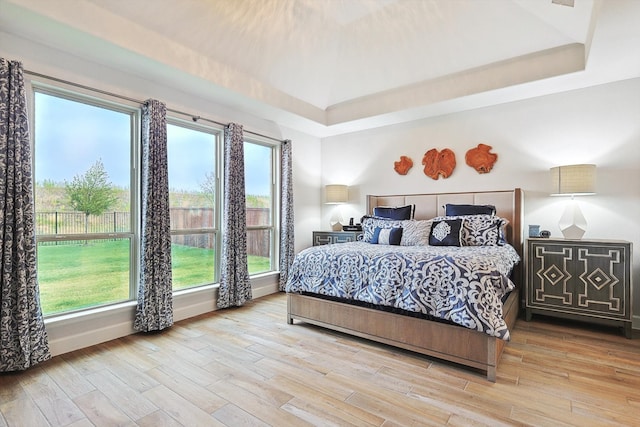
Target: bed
x: 399, y: 319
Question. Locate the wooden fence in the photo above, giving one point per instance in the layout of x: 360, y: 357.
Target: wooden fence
x: 258, y: 241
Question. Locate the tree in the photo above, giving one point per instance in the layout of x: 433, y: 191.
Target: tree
x: 208, y: 187
x: 91, y: 193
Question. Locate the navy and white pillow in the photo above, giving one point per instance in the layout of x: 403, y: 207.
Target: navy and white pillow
x: 445, y: 232
x: 370, y: 223
x: 414, y: 232
x: 387, y: 236
x: 481, y: 230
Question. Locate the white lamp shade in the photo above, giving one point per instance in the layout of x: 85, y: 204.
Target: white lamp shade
x: 336, y: 194
x: 574, y: 180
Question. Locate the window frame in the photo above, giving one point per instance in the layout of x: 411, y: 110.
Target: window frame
x: 217, y: 132
x: 95, y: 98
x: 274, y: 227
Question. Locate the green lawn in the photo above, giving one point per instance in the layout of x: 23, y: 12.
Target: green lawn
x: 75, y: 275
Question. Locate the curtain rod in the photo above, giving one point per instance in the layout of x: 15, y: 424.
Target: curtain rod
x: 195, y: 118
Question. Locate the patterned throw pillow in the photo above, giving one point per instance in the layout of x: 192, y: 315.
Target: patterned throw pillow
x: 387, y: 236
x: 369, y: 224
x: 416, y: 233
x: 481, y: 230
x: 445, y: 232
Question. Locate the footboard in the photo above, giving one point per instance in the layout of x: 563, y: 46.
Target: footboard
x: 449, y: 342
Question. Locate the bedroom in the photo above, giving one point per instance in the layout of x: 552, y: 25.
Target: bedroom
x: 531, y: 130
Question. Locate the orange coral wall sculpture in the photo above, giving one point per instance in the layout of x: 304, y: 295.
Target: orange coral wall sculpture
x: 403, y: 166
x: 481, y: 159
x: 438, y: 163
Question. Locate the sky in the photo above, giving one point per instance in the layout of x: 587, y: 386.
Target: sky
x: 71, y: 136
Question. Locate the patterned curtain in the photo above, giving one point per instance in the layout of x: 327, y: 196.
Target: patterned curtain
x: 23, y: 339
x: 155, y: 298
x: 286, y: 214
x: 235, y: 288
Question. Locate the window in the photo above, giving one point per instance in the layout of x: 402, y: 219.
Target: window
x: 83, y: 201
x: 260, y: 199
x: 193, y: 190
x: 87, y: 200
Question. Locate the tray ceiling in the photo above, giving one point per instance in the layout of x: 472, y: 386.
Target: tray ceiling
x: 327, y: 66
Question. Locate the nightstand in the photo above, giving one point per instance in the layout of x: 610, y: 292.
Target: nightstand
x: 327, y: 237
x: 587, y: 280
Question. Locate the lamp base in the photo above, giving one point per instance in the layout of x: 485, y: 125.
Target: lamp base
x: 336, y: 219
x: 336, y: 226
x: 572, y: 222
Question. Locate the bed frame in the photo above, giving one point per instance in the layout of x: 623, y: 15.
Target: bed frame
x: 449, y: 342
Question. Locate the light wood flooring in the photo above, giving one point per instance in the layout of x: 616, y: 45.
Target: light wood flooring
x: 247, y: 367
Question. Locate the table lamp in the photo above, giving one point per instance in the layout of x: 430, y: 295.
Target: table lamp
x: 573, y: 180
x: 336, y: 194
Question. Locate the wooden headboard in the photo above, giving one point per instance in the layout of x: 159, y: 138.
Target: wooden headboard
x: 508, y: 205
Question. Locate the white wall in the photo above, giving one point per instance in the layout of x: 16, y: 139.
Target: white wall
x: 598, y: 125
x: 74, y: 332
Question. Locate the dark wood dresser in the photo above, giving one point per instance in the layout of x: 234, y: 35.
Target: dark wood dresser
x: 586, y: 280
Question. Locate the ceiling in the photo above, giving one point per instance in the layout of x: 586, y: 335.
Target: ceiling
x: 327, y: 67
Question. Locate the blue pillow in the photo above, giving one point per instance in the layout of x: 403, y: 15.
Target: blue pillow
x: 445, y: 232
x: 460, y: 210
x: 387, y: 236
x: 400, y: 212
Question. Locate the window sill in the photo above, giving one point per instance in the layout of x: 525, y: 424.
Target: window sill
x: 96, y: 313
x: 73, y: 331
